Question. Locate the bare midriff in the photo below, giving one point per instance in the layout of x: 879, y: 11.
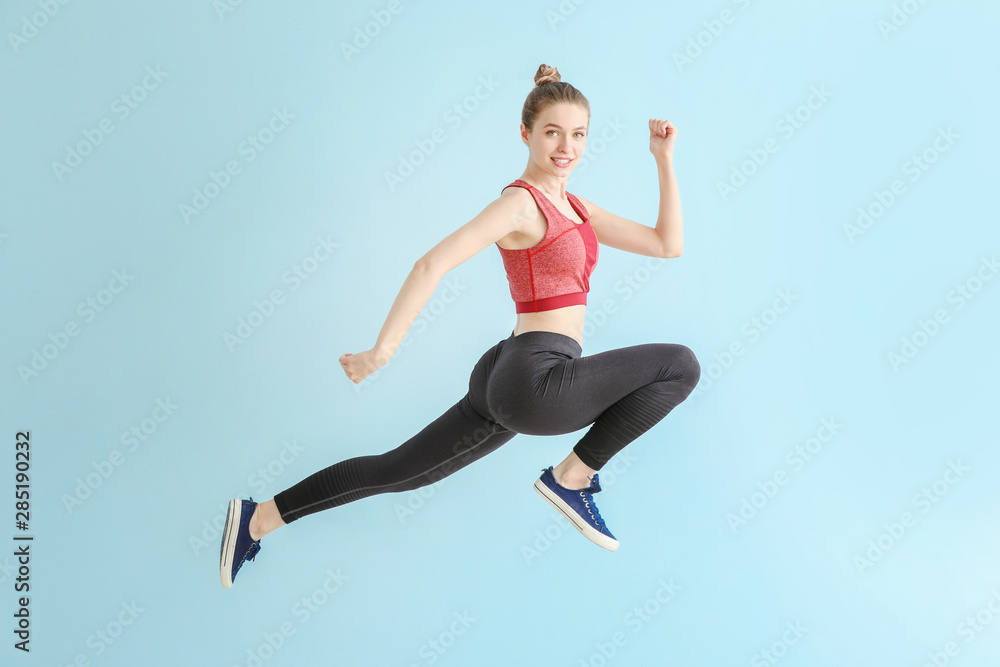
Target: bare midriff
x: 567, y: 321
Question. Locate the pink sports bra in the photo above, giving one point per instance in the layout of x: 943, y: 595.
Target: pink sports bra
x: 555, y: 272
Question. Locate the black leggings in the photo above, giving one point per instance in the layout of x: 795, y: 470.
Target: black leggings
x: 536, y: 383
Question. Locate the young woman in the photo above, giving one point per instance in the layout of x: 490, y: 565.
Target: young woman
x: 536, y: 381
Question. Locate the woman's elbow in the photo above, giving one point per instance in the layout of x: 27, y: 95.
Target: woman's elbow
x: 671, y: 253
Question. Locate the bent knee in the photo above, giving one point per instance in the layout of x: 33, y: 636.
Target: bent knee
x: 684, y: 366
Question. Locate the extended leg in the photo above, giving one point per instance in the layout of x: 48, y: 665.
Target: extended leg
x: 452, y: 441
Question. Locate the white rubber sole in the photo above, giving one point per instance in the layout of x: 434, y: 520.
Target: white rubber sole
x: 591, y: 533
x: 228, y: 551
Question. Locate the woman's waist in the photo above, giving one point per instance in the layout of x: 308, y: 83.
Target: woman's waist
x: 567, y: 321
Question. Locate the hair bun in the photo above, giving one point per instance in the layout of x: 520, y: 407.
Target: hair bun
x: 546, y: 74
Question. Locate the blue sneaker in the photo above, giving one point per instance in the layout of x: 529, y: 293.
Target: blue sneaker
x: 237, y: 546
x: 577, y: 506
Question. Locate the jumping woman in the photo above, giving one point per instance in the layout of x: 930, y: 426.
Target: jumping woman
x: 535, y: 381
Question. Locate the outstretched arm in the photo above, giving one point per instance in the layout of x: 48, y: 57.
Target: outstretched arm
x: 667, y: 238
x: 497, y: 220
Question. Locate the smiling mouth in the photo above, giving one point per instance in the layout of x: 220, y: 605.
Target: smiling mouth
x: 562, y: 162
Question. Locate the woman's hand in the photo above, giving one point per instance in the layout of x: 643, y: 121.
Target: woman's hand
x: 661, y: 138
x: 361, y: 365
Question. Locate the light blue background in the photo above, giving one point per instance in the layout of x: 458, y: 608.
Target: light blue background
x: 481, y: 542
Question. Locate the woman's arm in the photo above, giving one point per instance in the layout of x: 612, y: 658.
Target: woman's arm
x: 667, y: 238
x: 498, y: 219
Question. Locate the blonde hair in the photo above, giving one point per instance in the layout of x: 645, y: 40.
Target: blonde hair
x: 549, y: 89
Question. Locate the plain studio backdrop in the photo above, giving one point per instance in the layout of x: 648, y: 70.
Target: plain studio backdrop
x: 206, y: 203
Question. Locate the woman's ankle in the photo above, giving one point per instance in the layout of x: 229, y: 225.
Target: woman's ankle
x: 265, y: 519
x: 571, y: 478
x: 573, y: 483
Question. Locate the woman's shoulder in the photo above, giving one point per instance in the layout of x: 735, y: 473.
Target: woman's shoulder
x: 517, y: 193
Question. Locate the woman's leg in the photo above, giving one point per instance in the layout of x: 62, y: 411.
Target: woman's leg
x: 446, y: 445
x: 449, y: 443
x: 549, y: 388
x: 466, y: 432
x: 452, y: 441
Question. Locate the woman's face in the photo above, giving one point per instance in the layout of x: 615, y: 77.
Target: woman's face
x: 558, y: 138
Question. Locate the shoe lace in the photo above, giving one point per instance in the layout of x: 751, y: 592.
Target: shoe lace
x: 253, y: 548
x: 252, y: 551
x: 588, y: 498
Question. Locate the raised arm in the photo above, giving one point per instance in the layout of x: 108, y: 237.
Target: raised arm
x: 667, y: 238
x: 498, y: 219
